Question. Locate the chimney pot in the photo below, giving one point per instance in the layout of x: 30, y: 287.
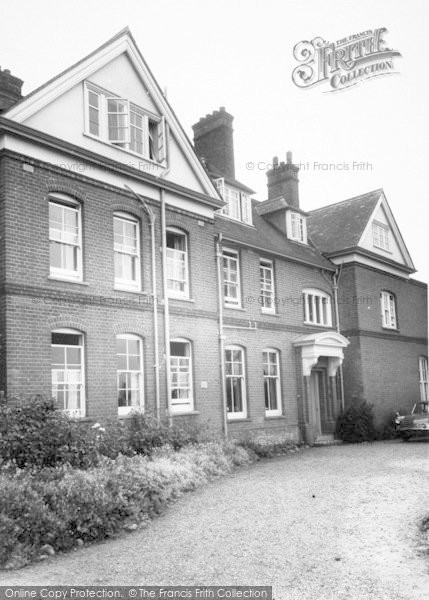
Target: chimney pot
x: 282, y: 180
x: 289, y: 157
x: 275, y: 161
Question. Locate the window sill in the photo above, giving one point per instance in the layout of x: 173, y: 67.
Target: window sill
x: 269, y: 313
x: 66, y: 280
x: 149, y: 161
x: 239, y: 419
x: 185, y: 414
x: 395, y: 329
x: 275, y: 417
x: 318, y: 325
x: 117, y: 288
x: 234, y: 307
x: 181, y: 299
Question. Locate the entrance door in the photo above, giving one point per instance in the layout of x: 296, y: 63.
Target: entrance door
x: 320, y: 399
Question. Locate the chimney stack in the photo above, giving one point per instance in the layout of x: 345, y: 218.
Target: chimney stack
x: 283, y: 181
x: 213, y: 142
x: 10, y: 90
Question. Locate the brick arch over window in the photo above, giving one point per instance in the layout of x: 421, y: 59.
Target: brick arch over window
x: 67, y: 322
x: 132, y: 208
x: 58, y: 188
x: 129, y: 326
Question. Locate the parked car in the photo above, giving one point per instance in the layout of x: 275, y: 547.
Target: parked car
x: 415, y: 424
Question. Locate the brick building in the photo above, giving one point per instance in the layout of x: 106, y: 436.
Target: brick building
x: 135, y: 275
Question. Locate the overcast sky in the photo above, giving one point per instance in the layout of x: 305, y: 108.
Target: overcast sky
x: 239, y: 54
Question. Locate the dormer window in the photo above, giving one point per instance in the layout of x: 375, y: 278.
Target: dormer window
x: 123, y: 124
x: 238, y: 204
x: 296, y: 226
x: 380, y: 235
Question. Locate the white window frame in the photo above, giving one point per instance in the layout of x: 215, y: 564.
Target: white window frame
x: 388, y: 310
x: 380, y: 236
x: 230, y: 301
x: 314, y: 301
x: 177, y: 406
x: 81, y: 411
x: 67, y: 203
x: 172, y: 255
x: 120, y: 283
x: 423, y: 378
x: 267, y: 289
x: 228, y: 377
x: 124, y: 142
x: 238, y: 204
x: 125, y: 410
x: 277, y: 411
x: 296, y: 226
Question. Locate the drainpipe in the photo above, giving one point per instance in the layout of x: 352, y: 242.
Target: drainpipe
x: 152, y: 218
x: 166, y: 304
x: 335, y: 279
x: 221, y: 332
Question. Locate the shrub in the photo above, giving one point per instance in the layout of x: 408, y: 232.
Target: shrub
x: 266, y: 447
x: 34, y: 434
x: 356, y: 424
x: 59, y: 506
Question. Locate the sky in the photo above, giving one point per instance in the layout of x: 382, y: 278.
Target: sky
x: 239, y: 54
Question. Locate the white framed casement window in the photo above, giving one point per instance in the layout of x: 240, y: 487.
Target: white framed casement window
x: 296, y: 226
x: 65, y: 238
x: 68, y: 371
x: 119, y: 122
x: 423, y: 378
x: 317, y: 308
x: 266, y: 275
x: 231, y: 278
x: 177, y: 263
x: 235, y: 383
x: 380, y: 235
x: 272, y: 388
x: 388, y: 310
x: 238, y: 204
x: 181, y: 387
x: 129, y: 368
x: 126, y: 246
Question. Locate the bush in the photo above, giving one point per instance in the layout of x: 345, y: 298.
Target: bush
x: 63, y: 505
x: 34, y: 434
x: 356, y: 424
x: 266, y: 447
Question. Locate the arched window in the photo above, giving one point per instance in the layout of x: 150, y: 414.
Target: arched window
x: 68, y: 372
x: 177, y: 263
x: 317, y: 307
x: 272, y: 388
x: 181, y: 376
x: 235, y: 375
x: 65, y: 237
x: 127, y: 251
x: 129, y: 360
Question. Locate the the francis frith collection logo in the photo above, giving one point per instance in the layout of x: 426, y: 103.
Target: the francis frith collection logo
x: 344, y: 63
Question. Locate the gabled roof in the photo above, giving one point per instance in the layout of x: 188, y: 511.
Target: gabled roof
x: 341, y: 225
x: 267, y: 238
x: 122, y: 42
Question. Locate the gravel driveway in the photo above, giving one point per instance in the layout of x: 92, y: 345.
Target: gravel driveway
x: 327, y: 523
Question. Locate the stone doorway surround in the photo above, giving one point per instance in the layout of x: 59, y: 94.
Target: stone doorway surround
x: 316, y: 347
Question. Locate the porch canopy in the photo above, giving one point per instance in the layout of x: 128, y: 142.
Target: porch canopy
x: 327, y: 344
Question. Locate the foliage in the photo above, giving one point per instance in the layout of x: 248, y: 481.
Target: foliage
x: 266, y: 447
x: 34, y: 434
x: 356, y: 424
x: 62, y: 506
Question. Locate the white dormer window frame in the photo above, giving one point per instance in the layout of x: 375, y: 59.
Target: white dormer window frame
x: 238, y: 204
x: 296, y: 226
x: 380, y: 236
x: 120, y: 123
x: 317, y: 307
